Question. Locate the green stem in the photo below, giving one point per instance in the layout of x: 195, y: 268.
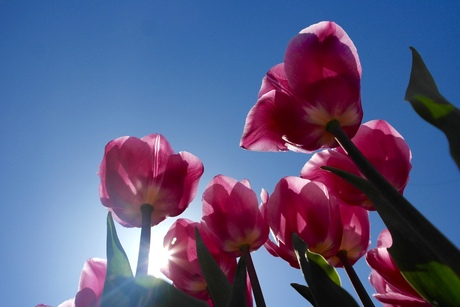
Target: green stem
x: 398, y: 207
x: 356, y: 282
x: 256, y: 289
x: 144, y: 245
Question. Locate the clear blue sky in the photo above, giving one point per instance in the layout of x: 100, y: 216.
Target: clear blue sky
x: 76, y: 74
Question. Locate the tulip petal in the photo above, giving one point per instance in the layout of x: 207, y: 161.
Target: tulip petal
x: 303, y: 207
x: 231, y: 213
x: 387, y: 150
x: 320, y: 51
x: 275, y: 80
x: 93, y: 275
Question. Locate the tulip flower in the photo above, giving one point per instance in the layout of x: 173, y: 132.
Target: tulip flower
x: 303, y: 207
x: 231, y: 214
x: 183, y: 267
x: 90, y: 286
x: 381, y: 144
x: 392, y: 288
x: 318, y: 82
x: 355, y: 241
x: 146, y: 171
x: 355, y: 236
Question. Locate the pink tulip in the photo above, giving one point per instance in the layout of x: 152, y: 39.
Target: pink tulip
x: 232, y: 216
x: 391, y: 287
x: 183, y: 267
x: 90, y: 286
x: 303, y: 207
x: 355, y: 236
x: 318, y: 82
x: 142, y: 171
x: 381, y: 144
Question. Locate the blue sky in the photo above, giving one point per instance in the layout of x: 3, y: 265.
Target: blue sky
x: 76, y: 74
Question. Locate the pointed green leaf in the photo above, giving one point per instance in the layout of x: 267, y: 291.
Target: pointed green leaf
x: 415, y: 250
x: 219, y: 286
x: 325, y: 291
x: 305, y: 292
x: 436, y: 282
x: 238, y: 296
x: 327, y: 268
x: 119, y: 275
x: 424, y: 96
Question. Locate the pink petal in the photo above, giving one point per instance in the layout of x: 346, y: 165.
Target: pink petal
x: 387, y: 150
x: 231, y: 212
x: 300, y: 206
x: 195, y: 169
x: 86, y: 298
x: 93, y: 275
x: 391, y: 296
x: 356, y: 233
x: 338, y: 186
x: 183, y: 267
x: 277, y: 123
x: 284, y: 252
x: 275, y: 80
x: 127, y: 170
x: 320, y: 51
x: 384, y: 239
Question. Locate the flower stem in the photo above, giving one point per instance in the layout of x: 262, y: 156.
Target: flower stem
x: 144, y: 245
x: 256, y: 289
x: 357, y: 284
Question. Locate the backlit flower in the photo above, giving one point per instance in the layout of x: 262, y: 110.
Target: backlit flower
x: 142, y: 171
x: 318, y: 82
x: 183, y: 267
x: 303, y: 207
x: 231, y: 214
x: 355, y: 236
x: 381, y: 144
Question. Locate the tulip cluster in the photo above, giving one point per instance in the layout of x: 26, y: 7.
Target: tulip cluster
x: 317, y: 85
x: 309, y: 103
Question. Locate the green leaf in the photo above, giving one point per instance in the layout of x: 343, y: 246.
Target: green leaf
x: 218, y: 285
x: 418, y: 251
x: 434, y: 281
x: 238, y: 296
x: 305, y: 292
x: 424, y: 96
x: 324, y: 289
x: 327, y: 268
x: 119, y: 275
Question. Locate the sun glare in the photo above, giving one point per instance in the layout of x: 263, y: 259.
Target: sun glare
x: 158, y: 256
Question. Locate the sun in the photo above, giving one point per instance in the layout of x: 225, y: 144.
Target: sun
x: 158, y: 257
